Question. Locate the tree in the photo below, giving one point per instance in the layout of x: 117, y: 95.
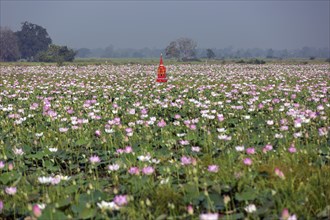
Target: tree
x: 187, y: 47
x: 32, y: 39
x: 108, y: 52
x: 210, y: 54
x: 83, y: 52
x: 172, y: 50
x: 57, y: 54
x: 270, y: 53
x: 9, y: 50
x: 181, y: 48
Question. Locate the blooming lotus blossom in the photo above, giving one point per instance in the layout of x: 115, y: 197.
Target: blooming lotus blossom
x: 2, y: 164
x: 108, y: 205
x: 247, y: 161
x: 250, y: 208
x: 11, y: 190
x: 120, y: 200
x: 286, y: 215
x: 144, y: 158
x: 161, y: 123
x: 113, y: 167
x: 323, y: 131
x: 224, y: 137
x: 52, y: 149
x: 63, y: 130
x: 52, y: 180
x: 39, y: 134
x: 129, y: 132
x: 10, y: 166
x: 186, y: 160
x: 131, y: 111
x: 56, y: 180
x: 239, y: 148
x: 97, y: 133
x: 292, y: 149
x: 94, y: 159
x: 213, y: 168
x: 190, y: 209
x: 279, y: 173
x: 45, y: 180
x: 148, y: 170
x: 267, y: 148
x: 18, y: 151
x: 195, y: 148
x: 36, y: 211
x: 209, y: 216
x: 250, y: 150
x: 128, y: 149
x: 270, y: 122
x: 184, y: 142
x: 134, y: 170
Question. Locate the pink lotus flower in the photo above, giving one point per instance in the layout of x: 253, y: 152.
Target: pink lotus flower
x: 70, y: 111
x: 128, y: 149
x: 134, y: 170
x: 1, y: 206
x: 209, y: 216
x: 193, y: 127
x: 94, y: 159
x: 36, y: 211
x: 213, y: 168
x: 286, y: 215
x: 279, y: 173
x: 120, y: 200
x: 2, y: 164
x: 177, y: 116
x: 267, y: 148
x: 113, y: 167
x: 190, y: 209
x: 148, y: 170
x: 250, y: 150
x: 10, y: 166
x: 185, y: 160
x: 247, y: 161
x: 323, y: 131
x: 144, y: 111
x: 184, y: 142
x: 63, y: 130
x: 161, y: 123
x: 11, y: 190
x: 220, y: 117
x: 292, y: 149
x: 97, y: 133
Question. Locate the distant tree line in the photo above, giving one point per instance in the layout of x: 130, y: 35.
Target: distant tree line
x: 31, y: 43
x: 211, y: 53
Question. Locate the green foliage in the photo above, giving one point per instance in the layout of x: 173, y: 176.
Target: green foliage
x: 32, y: 39
x: 9, y: 50
x: 218, y: 100
x: 252, y: 61
x: 172, y: 51
x: 182, y: 48
x: 210, y: 54
x: 58, y: 54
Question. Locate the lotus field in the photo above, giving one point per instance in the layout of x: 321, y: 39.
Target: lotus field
x: 214, y: 142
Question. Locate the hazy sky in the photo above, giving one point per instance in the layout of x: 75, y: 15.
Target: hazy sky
x: 212, y: 24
